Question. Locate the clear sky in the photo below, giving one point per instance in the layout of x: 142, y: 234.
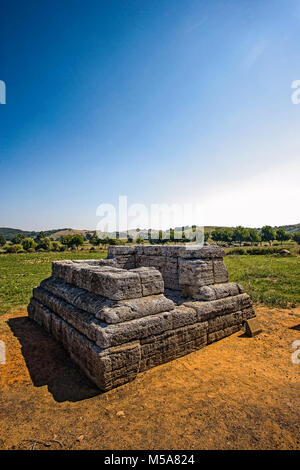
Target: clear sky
x: 164, y: 101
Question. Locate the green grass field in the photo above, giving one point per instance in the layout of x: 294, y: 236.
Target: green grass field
x: 274, y: 281
x: 271, y: 280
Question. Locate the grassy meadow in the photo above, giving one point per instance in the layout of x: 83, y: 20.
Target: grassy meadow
x: 272, y: 280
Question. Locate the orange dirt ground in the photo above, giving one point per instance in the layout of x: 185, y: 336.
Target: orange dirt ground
x: 239, y: 393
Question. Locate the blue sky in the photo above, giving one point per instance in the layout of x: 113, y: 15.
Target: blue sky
x: 164, y: 101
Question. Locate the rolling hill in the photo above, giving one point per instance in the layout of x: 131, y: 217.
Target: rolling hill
x: 8, y: 233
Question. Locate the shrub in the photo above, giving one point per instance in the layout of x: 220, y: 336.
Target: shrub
x: 28, y: 243
x: 264, y: 251
x: 120, y: 242
x: 14, y: 248
x: 236, y: 251
x: 45, y: 244
x: 56, y: 246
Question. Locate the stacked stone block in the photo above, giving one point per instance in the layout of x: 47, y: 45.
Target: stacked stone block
x: 115, y: 318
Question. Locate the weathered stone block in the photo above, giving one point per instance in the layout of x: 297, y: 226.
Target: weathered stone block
x: 207, y: 310
x: 80, y: 298
x: 116, y: 322
x: 217, y: 291
x: 116, y: 285
x: 220, y: 334
x: 151, y: 280
x: 116, y: 334
x: 82, y: 321
x: 195, y: 272
x: 220, y: 271
x: 125, y: 310
x: 210, y: 251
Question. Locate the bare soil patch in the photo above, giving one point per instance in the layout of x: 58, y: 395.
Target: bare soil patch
x: 238, y: 393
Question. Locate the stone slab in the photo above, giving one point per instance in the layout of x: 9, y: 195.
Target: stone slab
x: 252, y: 327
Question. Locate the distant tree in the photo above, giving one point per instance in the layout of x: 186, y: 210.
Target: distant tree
x: 254, y: 236
x: 282, y: 235
x: 90, y: 235
x: 111, y: 241
x: 28, y: 243
x: 222, y: 235
x: 17, y: 239
x: 44, y: 244
x: 66, y: 240
x: 240, y: 234
x: 2, y: 240
x: 268, y: 234
x: 139, y: 241
x: 40, y: 235
x: 129, y: 239
x: 216, y: 235
x: 76, y: 241
x: 105, y: 241
x: 162, y: 239
x: 95, y: 240
x: 206, y: 236
x: 296, y: 237
x: 227, y: 235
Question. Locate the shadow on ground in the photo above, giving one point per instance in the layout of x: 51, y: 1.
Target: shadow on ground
x: 48, y: 363
x: 296, y: 327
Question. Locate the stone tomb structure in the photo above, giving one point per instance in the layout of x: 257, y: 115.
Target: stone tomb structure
x: 140, y: 307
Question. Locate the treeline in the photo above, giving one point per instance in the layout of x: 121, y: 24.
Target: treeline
x: 227, y: 236
x: 154, y: 237
x: 41, y: 243
x: 242, y: 235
